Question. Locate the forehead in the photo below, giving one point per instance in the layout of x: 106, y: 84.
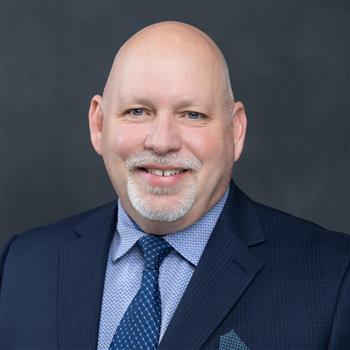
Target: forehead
x: 168, y: 77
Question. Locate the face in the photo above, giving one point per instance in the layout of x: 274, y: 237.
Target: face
x: 166, y: 138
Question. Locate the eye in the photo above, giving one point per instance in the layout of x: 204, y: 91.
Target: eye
x: 137, y: 112
x: 195, y: 115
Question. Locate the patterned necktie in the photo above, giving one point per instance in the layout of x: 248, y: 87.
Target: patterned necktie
x: 140, y: 326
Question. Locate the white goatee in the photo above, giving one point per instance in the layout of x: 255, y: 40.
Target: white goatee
x: 150, y: 201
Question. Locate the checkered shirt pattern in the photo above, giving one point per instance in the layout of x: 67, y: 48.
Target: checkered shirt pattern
x: 140, y: 326
x: 125, y: 268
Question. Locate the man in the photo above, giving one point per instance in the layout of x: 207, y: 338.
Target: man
x: 184, y: 260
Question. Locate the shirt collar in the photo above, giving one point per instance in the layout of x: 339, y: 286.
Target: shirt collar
x: 189, y: 243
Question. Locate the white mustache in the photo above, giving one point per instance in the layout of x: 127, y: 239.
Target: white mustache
x: 171, y: 159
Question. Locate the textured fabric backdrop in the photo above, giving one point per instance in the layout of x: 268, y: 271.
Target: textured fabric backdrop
x: 289, y: 64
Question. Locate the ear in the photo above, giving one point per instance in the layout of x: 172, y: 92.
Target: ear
x: 239, y: 128
x: 96, y: 123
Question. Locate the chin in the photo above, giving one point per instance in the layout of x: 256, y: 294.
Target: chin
x: 163, y: 204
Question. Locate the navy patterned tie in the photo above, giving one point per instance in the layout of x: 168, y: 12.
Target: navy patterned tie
x: 140, y: 326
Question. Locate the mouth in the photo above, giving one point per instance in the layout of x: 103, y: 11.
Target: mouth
x: 158, y: 176
x: 163, y: 172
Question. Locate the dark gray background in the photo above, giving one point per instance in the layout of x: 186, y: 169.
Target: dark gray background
x: 289, y: 64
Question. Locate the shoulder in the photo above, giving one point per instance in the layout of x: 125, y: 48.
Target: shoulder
x: 285, y: 230
x: 61, y: 232
x: 290, y: 233
x: 46, y: 240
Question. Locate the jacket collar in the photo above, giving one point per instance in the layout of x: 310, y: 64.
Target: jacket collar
x: 225, y: 270
x: 82, y: 272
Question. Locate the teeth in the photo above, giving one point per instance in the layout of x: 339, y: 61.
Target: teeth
x: 159, y: 172
x: 155, y: 172
x: 170, y: 172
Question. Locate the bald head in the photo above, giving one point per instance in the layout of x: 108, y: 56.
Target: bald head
x: 172, y: 44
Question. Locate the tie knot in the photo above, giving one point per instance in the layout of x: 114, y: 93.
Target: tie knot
x: 154, y: 250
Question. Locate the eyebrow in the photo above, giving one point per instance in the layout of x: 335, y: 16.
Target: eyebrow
x: 180, y: 105
x: 138, y: 100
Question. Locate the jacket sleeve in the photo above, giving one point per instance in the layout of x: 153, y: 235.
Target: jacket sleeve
x: 340, y: 332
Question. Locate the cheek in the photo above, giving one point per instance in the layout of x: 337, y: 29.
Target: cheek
x: 213, y: 146
x: 122, y: 140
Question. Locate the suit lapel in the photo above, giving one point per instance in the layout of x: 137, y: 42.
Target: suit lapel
x: 225, y: 270
x: 82, y: 272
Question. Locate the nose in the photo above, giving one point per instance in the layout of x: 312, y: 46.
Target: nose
x: 163, y: 136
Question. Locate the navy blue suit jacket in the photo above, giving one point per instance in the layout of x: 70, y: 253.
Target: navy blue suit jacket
x: 277, y: 281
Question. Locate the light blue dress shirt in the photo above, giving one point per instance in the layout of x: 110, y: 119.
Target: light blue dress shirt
x: 125, y: 266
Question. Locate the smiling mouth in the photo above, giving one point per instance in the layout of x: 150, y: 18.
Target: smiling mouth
x: 163, y: 172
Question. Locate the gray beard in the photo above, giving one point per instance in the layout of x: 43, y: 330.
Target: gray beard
x: 147, y: 207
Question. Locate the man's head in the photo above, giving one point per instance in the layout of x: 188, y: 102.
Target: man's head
x: 167, y: 126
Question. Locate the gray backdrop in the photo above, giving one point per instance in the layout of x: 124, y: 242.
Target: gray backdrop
x: 289, y: 64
